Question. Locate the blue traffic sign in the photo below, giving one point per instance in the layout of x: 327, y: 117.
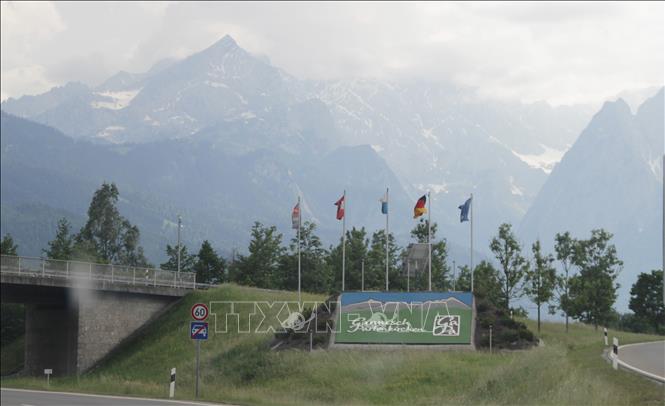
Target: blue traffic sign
x: 198, y: 330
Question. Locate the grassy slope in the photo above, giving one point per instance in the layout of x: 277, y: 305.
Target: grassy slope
x: 239, y: 369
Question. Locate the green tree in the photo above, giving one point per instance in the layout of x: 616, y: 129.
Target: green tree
x: 513, y: 265
x: 112, y: 238
x: 187, y: 261
x: 265, y: 250
x: 486, y: 282
x: 375, y: 265
x: 565, y: 249
x: 646, y: 299
x: 356, y: 252
x: 209, y: 266
x: 593, y: 290
x: 540, y: 278
x: 62, y: 246
x: 7, y: 246
x: 316, y: 275
x: 440, y: 270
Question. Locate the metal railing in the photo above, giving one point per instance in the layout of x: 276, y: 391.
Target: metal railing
x: 116, y: 274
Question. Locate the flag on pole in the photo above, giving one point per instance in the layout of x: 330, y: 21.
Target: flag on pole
x: 295, y: 217
x: 340, y: 208
x: 384, y: 203
x: 464, y: 211
x: 420, y: 208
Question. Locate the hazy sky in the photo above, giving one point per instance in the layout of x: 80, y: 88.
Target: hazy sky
x: 559, y: 52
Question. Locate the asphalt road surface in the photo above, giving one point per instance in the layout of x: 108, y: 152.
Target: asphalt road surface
x: 649, y: 357
x: 19, y: 397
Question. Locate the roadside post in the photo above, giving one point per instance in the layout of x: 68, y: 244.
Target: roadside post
x: 48, y: 373
x: 198, y: 331
x: 615, y: 353
x: 490, y: 338
x: 172, y: 384
x: 605, y: 335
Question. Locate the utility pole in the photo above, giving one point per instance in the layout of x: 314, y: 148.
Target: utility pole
x: 454, y: 274
x: 179, y: 247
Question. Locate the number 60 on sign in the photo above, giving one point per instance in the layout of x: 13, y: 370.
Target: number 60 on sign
x: 200, y: 311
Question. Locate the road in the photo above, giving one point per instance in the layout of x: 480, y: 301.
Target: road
x: 20, y: 397
x: 649, y: 357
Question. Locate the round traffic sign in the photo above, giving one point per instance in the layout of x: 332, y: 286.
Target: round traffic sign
x: 200, y: 311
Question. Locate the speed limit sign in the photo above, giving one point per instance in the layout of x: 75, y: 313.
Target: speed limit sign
x: 200, y: 311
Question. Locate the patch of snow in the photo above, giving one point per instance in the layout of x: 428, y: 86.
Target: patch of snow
x: 514, y: 189
x: 544, y: 161
x: 427, y: 133
x: 119, y: 100
x: 109, y: 132
x: 216, y: 84
x: 151, y: 121
x: 247, y: 115
x: 377, y: 148
x: 433, y: 187
x: 654, y: 166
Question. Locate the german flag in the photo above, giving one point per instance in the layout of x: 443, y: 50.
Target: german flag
x: 420, y: 209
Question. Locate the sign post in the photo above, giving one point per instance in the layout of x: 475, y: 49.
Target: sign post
x: 48, y: 373
x: 198, y: 331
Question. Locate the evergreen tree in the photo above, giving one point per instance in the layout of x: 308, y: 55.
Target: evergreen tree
x: 440, y: 270
x: 646, y: 300
x: 593, y: 290
x: 316, y: 275
x: 375, y: 265
x: 513, y: 265
x: 356, y: 251
x: 209, y: 266
x: 265, y: 250
x: 565, y: 248
x: 540, y: 278
x: 62, y: 246
x: 187, y: 261
x: 7, y: 246
x: 107, y: 235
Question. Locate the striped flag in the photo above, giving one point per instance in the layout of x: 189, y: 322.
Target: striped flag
x: 295, y: 216
x: 384, y: 203
x: 420, y: 208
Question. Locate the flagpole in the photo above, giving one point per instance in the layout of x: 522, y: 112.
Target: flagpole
x: 471, y: 236
x: 299, y: 226
x: 429, y: 236
x: 387, y: 235
x: 343, y: 239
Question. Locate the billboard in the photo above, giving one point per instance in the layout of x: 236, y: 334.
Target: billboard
x: 405, y: 318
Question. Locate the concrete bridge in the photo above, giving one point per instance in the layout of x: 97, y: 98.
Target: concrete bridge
x: 76, y: 313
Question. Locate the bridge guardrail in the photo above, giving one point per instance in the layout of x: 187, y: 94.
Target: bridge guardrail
x: 116, y: 274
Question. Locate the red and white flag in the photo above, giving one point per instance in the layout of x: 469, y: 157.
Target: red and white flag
x: 340, y: 208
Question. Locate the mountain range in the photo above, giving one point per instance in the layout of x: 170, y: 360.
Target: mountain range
x: 225, y: 138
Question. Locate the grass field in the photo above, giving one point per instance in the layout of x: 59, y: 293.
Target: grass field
x: 238, y: 368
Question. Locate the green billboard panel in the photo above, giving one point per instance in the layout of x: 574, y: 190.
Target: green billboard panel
x: 405, y: 318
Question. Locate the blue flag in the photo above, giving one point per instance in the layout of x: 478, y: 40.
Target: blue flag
x: 384, y: 204
x: 464, y: 211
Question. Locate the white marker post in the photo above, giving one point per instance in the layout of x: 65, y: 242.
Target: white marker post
x: 48, y: 373
x: 615, y: 353
x: 605, y: 335
x: 172, y: 384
